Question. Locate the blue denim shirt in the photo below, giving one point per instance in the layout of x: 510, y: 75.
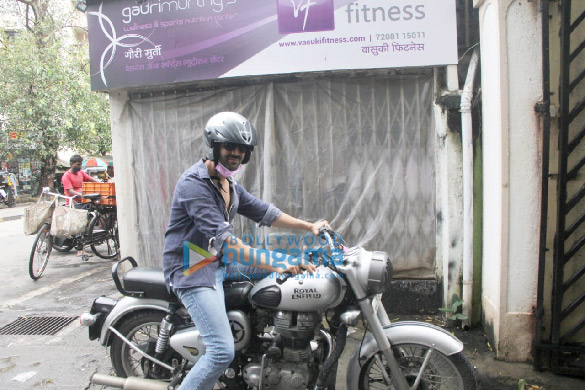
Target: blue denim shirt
x: 198, y: 213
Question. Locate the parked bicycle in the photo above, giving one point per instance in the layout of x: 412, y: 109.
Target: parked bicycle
x: 101, y: 234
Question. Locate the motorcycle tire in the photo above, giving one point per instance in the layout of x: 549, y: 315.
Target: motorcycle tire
x: 452, y: 372
x: 142, y: 329
x: 63, y: 245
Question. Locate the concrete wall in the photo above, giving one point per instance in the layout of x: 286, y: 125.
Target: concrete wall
x: 511, y: 86
x: 123, y: 153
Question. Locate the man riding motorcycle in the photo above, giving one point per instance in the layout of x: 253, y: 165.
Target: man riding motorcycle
x: 275, y: 327
x: 205, y: 202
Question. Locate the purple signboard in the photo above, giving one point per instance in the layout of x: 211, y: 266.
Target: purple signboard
x: 161, y: 42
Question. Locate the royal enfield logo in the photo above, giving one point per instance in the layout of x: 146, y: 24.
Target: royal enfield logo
x: 305, y: 293
x: 297, y: 16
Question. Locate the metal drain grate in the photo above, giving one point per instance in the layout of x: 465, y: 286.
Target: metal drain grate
x: 37, y: 325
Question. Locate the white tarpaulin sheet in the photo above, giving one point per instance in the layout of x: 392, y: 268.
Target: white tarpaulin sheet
x: 358, y: 152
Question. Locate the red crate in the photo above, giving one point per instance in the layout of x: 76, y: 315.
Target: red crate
x: 104, y: 189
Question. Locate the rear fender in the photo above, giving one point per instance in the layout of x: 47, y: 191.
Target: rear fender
x: 407, y: 332
x: 126, y: 306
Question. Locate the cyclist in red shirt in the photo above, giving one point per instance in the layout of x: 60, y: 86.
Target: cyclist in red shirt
x: 72, y: 185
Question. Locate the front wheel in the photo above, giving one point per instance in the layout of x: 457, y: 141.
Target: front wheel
x: 452, y: 372
x: 41, y: 250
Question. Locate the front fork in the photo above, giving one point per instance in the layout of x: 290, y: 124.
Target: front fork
x: 377, y: 322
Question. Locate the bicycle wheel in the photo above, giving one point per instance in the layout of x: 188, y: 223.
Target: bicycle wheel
x: 39, y: 256
x: 103, y: 235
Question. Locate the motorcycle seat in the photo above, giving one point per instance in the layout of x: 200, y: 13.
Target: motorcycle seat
x: 236, y: 294
x: 149, y: 281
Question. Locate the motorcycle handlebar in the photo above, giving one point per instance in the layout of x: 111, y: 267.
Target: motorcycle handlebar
x: 327, y: 233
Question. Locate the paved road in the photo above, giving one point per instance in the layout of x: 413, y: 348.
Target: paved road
x: 67, y: 288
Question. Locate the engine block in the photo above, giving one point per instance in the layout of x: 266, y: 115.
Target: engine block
x: 278, y: 375
x: 296, y: 328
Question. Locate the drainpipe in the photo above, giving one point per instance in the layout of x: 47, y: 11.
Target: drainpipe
x: 467, y: 141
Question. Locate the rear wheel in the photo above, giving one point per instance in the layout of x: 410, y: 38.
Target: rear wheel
x: 39, y: 256
x: 103, y: 235
x: 142, y: 329
x: 452, y: 372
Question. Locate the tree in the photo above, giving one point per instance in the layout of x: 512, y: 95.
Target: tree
x: 46, y: 95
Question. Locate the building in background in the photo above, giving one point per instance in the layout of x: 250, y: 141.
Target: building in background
x: 378, y: 139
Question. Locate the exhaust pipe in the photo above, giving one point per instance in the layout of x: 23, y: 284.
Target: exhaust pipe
x: 131, y: 383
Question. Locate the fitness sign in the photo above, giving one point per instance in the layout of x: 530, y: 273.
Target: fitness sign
x: 161, y: 42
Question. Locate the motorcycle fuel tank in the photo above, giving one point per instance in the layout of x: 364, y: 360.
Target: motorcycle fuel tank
x: 319, y: 291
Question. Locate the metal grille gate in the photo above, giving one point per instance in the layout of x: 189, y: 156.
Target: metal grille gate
x: 565, y: 345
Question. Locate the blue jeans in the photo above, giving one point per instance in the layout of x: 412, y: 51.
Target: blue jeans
x: 206, y: 306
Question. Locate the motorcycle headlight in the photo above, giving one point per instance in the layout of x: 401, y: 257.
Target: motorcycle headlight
x: 374, y: 272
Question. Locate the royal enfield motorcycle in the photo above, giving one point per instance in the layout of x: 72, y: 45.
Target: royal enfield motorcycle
x: 289, y: 332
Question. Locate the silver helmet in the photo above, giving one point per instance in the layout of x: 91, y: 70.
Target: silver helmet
x: 229, y: 127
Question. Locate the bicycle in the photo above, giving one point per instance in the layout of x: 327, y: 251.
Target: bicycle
x: 101, y: 235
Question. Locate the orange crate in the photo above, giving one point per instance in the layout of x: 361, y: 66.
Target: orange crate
x: 104, y: 189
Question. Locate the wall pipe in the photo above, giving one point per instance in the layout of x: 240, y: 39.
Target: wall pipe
x: 545, y: 113
x: 467, y: 141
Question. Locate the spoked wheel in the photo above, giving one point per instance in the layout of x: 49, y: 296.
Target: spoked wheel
x: 440, y: 372
x: 103, y: 235
x: 39, y: 256
x: 142, y: 330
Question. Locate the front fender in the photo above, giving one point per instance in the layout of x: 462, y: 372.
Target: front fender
x: 407, y: 332
x: 125, y: 306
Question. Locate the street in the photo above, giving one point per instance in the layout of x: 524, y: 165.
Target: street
x: 67, y: 288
